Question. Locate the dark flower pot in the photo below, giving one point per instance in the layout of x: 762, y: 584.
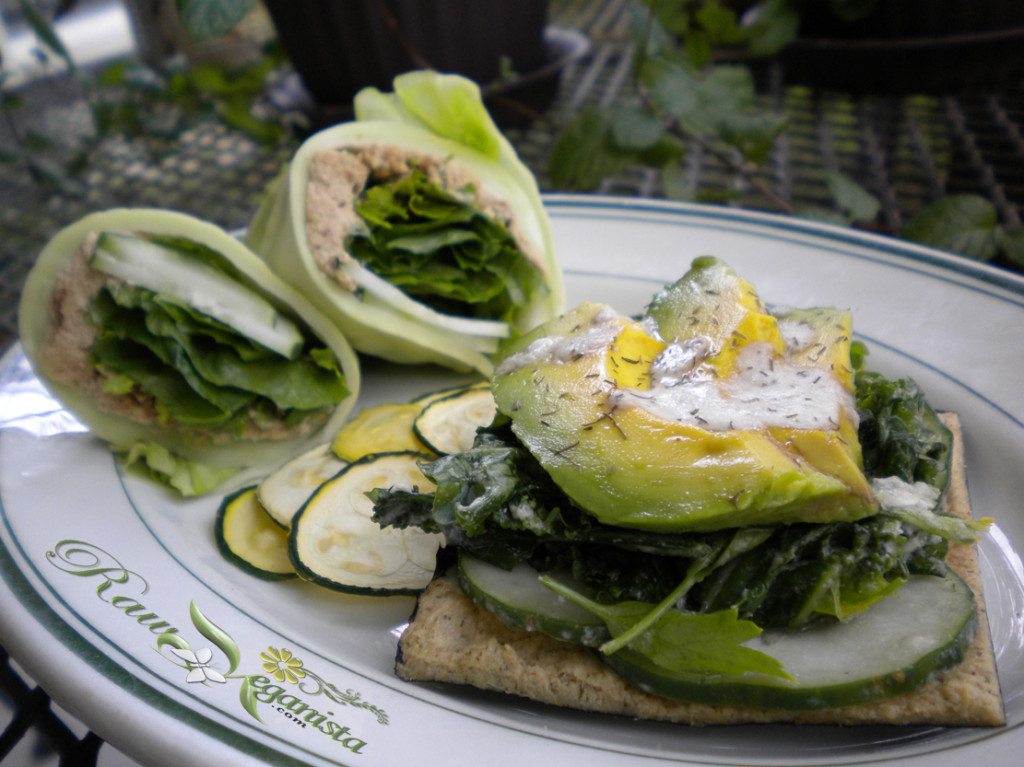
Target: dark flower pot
x: 340, y: 46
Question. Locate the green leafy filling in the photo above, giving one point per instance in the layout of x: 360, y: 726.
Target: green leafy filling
x: 201, y: 373
x: 441, y: 249
x: 496, y: 503
x: 187, y: 477
x: 901, y: 436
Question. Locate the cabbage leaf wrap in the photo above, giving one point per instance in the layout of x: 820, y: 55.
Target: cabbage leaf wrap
x: 192, y: 389
x: 415, y: 227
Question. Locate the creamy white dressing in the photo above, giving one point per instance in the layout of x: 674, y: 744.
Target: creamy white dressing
x: 680, y: 362
x: 797, y: 334
x: 603, y: 329
x: 766, y: 391
x: 896, y: 493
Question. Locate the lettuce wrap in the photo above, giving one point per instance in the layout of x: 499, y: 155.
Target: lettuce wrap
x: 169, y: 339
x: 415, y: 227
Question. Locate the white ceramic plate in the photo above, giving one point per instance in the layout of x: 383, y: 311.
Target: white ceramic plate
x: 96, y: 566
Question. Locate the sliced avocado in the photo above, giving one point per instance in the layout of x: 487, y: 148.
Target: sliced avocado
x: 637, y: 452
x: 711, y: 300
x: 820, y: 337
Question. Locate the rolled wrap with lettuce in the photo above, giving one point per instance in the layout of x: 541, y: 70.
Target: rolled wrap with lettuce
x: 168, y: 338
x: 415, y: 227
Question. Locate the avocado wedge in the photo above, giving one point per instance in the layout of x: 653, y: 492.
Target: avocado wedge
x: 672, y: 424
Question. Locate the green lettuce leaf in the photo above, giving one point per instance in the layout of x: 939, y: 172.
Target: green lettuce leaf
x: 146, y: 340
x: 199, y: 372
x: 438, y: 247
x: 426, y: 314
x: 187, y: 477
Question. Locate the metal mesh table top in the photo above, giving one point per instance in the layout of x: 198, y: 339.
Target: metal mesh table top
x: 905, y: 150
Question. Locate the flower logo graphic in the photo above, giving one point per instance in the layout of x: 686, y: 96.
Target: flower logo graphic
x: 198, y: 664
x: 277, y: 663
x: 282, y: 665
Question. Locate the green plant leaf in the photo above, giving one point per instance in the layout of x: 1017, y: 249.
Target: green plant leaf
x: 707, y: 644
x: 44, y: 30
x: 1011, y: 242
x: 852, y: 10
x: 965, y: 223
x: 673, y: 87
x: 668, y: 150
x: 682, y: 642
x: 717, y: 196
x: 771, y: 26
x: 753, y: 133
x: 438, y: 246
x: 10, y: 101
x: 725, y: 91
x: 582, y: 156
x: 636, y: 130
x: 851, y: 197
x: 699, y: 48
x: 236, y: 114
x: 674, y: 183
x: 672, y: 18
x: 187, y: 477
x: 210, y: 19
x: 719, y: 22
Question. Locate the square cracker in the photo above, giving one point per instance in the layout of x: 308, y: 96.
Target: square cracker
x: 451, y: 640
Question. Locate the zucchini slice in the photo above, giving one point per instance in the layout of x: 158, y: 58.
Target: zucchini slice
x: 448, y: 425
x: 382, y: 429
x: 247, y: 536
x: 335, y: 543
x: 284, y: 491
x: 432, y: 396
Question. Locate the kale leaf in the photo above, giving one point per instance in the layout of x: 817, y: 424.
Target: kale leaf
x: 495, y: 502
x: 900, y: 434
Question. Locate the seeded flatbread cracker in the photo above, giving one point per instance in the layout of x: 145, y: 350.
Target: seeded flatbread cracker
x: 451, y: 640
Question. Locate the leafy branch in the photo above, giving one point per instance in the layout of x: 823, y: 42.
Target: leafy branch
x: 693, y: 92
x: 133, y: 101
x: 968, y: 224
x: 683, y: 96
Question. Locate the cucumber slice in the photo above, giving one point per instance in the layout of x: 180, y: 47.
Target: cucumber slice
x: 382, y: 429
x: 249, y: 538
x: 521, y: 601
x: 284, y: 491
x: 893, y: 648
x: 448, y: 425
x: 335, y: 543
x: 170, y: 272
